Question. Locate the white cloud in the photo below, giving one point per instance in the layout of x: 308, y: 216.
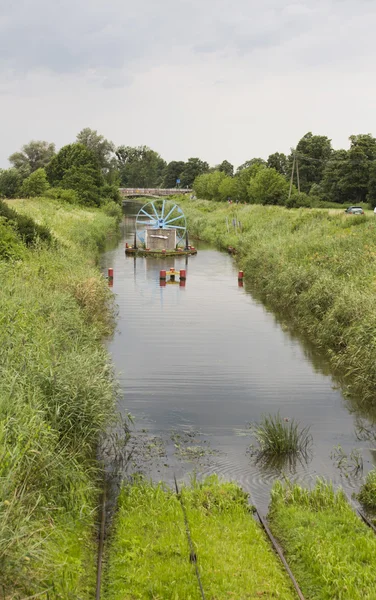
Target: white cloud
x: 215, y: 79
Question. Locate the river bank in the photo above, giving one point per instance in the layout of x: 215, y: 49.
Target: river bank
x: 57, y: 393
x: 317, y: 267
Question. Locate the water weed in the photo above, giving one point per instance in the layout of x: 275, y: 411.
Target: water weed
x: 277, y: 436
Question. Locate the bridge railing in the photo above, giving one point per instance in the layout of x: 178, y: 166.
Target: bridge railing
x: 153, y: 191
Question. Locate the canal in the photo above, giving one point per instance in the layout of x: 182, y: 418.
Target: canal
x: 198, y: 364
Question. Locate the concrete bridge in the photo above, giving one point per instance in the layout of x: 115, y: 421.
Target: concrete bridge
x: 152, y: 192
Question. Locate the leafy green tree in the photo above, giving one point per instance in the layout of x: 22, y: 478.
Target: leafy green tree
x: 365, y: 142
x: 244, y: 176
x: 251, y: 163
x: 84, y: 180
x: 193, y: 168
x: 227, y: 189
x: 10, y: 183
x: 102, y: 148
x: 173, y: 172
x: 75, y: 167
x: 332, y: 186
x: 278, y: 161
x: 355, y: 181
x: 34, y: 155
x: 140, y: 167
x: 35, y: 185
x: 371, y: 197
x: 226, y: 167
x: 72, y: 155
x: 312, y: 152
x: 268, y: 187
x: 200, y: 186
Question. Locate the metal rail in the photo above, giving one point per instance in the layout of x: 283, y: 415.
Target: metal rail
x: 192, y: 555
x: 279, y: 551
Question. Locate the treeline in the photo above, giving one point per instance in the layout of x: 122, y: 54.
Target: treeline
x: 91, y: 170
x: 319, y: 175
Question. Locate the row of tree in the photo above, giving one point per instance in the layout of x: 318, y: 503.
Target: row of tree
x: 93, y: 168
x: 313, y: 172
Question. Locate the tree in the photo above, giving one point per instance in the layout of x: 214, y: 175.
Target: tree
x: 35, y: 185
x: 268, y: 187
x: 244, y: 176
x: 332, y: 185
x: 10, y: 183
x: 250, y: 163
x: 173, y: 172
x: 34, y: 155
x: 371, y: 197
x: 226, y: 167
x: 72, y: 155
x: 227, y: 189
x: 312, y: 152
x: 278, y: 161
x: 140, y: 167
x: 84, y: 180
x: 75, y: 167
x: 102, y: 148
x: 193, y: 168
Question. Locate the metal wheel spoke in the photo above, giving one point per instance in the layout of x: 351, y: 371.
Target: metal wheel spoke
x: 175, y: 219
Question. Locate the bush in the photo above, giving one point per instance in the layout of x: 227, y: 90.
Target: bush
x: 10, y: 183
x: 111, y: 209
x: 10, y: 243
x: 35, y: 185
x: 28, y: 230
x: 69, y: 196
x: 367, y: 494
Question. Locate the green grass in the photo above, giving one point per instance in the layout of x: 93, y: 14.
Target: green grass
x: 279, y: 437
x: 148, y: 556
x: 367, y: 494
x: 57, y: 395
x: 330, y: 550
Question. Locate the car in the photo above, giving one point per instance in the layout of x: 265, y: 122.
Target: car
x: 354, y: 210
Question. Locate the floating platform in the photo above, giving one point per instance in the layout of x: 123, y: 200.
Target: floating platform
x: 130, y: 251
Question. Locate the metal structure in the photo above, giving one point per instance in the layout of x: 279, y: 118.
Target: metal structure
x: 161, y: 214
x: 153, y: 192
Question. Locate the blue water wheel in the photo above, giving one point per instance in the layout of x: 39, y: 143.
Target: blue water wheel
x: 161, y: 214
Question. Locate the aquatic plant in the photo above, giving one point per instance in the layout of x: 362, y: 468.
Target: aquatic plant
x: 367, y: 494
x: 330, y: 550
x: 280, y: 437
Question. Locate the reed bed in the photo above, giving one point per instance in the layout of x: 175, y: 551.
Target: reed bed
x: 57, y: 395
x: 280, y: 437
x: 330, y: 550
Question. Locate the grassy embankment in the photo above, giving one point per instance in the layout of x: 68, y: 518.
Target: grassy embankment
x: 149, y: 554
x: 317, y: 267
x: 330, y: 550
x: 56, y: 396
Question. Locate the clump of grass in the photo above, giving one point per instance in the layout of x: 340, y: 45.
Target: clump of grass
x: 367, y: 494
x: 149, y: 555
x: 331, y: 551
x: 279, y: 437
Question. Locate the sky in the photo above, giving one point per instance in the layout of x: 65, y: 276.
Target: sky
x: 217, y: 79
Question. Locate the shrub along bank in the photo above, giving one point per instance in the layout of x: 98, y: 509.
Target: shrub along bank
x: 56, y: 397
x: 149, y: 555
x: 330, y: 550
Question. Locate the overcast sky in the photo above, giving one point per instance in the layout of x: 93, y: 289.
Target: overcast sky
x: 218, y: 79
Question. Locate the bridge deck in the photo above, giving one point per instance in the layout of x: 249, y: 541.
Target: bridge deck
x: 156, y: 192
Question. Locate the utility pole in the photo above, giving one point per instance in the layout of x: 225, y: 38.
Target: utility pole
x: 297, y: 174
x: 292, y: 173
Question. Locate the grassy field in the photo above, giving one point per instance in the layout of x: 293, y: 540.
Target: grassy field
x: 149, y: 554
x: 331, y: 551
x: 57, y: 395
